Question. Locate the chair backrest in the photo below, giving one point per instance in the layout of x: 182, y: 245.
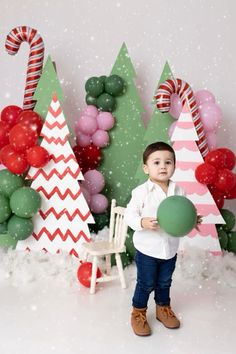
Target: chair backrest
x: 118, y: 227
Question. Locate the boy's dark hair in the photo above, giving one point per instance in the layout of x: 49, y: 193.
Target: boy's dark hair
x: 157, y: 146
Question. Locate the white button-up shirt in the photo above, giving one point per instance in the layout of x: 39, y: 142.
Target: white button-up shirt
x: 144, y: 203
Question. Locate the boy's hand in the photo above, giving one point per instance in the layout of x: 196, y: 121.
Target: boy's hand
x: 199, y: 221
x: 150, y: 224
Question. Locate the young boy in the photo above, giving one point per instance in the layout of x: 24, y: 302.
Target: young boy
x: 156, y: 251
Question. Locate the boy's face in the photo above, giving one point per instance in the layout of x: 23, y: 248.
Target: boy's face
x: 160, y: 166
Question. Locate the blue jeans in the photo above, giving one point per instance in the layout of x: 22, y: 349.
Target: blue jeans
x: 153, y: 274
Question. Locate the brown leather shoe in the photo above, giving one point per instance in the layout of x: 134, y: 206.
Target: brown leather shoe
x: 139, y: 322
x: 165, y: 315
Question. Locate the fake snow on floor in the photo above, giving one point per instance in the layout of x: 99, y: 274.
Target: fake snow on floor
x: 45, y: 310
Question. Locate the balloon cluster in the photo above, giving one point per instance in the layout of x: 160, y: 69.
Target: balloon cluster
x: 19, y: 131
x: 101, y: 91
x: 217, y: 173
x: 17, y: 206
x: 210, y: 112
x: 227, y: 237
x: 92, y: 127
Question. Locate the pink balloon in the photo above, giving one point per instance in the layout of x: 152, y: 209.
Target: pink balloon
x: 87, y: 125
x: 211, y: 140
x: 99, y: 203
x: 94, y: 181
x: 203, y: 96
x: 82, y: 139
x: 105, y: 120
x: 171, y: 129
x: 100, y: 138
x: 86, y: 194
x: 211, y: 116
x: 175, y: 106
x: 90, y: 110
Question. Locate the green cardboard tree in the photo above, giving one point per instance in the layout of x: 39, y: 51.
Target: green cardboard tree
x: 158, y: 126
x: 121, y: 157
x: 47, y: 85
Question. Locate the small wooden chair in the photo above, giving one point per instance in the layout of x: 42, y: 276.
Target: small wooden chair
x: 115, y: 245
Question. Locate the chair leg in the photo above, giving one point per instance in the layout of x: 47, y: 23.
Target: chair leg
x: 94, y: 275
x: 120, y: 270
x: 108, y: 264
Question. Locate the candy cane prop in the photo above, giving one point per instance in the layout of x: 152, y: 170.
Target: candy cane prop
x: 182, y: 88
x: 35, y: 62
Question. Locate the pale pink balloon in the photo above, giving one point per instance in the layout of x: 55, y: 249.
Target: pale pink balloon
x: 211, y: 140
x: 98, y: 204
x: 100, y: 138
x: 105, y: 120
x: 87, y: 124
x: 94, y: 181
x: 203, y: 96
x: 90, y: 110
x: 171, y: 129
x: 211, y: 116
x: 86, y: 194
x: 82, y: 139
x: 175, y: 106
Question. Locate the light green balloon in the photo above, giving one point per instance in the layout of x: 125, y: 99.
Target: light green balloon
x: 177, y: 215
x: 25, y: 202
x: 5, y: 210
x: 20, y: 228
x: 7, y: 241
x: 9, y: 182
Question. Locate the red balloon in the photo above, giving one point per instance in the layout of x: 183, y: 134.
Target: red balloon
x: 10, y: 114
x: 230, y: 159
x: 6, y: 151
x: 232, y: 193
x: 206, y: 173
x: 215, y: 158
x: 225, y: 180
x: 16, y: 163
x: 218, y: 196
x: 31, y: 119
x: 4, y: 134
x: 37, y: 156
x: 21, y: 137
x: 88, y: 157
x: 84, y: 273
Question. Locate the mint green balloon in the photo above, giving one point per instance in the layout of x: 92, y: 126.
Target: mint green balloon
x: 7, y: 241
x: 3, y: 227
x: 9, y: 182
x: 229, y: 219
x: 25, y: 202
x: 231, y: 247
x: 177, y: 215
x: 5, y: 210
x: 20, y: 228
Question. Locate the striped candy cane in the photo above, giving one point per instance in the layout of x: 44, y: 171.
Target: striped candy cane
x: 182, y: 88
x: 35, y: 62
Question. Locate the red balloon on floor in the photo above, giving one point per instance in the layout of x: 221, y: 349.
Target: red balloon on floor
x: 84, y: 273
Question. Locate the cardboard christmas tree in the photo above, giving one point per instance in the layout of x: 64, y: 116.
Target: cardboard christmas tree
x: 47, y: 85
x: 188, y: 157
x: 158, y: 126
x: 62, y: 221
x: 121, y: 157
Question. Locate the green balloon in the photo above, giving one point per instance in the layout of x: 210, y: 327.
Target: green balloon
x: 7, y: 241
x: 177, y: 215
x: 106, y: 102
x: 90, y: 100
x: 20, y: 228
x: 229, y: 219
x: 223, y: 238
x: 9, y: 182
x: 3, y: 228
x: 231, y: 247
x: 5, y: 210
x: 94, y: 86
x: 114, y: 85
x: 25, y: 202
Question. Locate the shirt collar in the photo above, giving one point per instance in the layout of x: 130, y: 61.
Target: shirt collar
x: 152, y: 186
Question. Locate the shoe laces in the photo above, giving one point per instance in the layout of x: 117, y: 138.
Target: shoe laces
x: 140, y: 317
x: 167, y: 311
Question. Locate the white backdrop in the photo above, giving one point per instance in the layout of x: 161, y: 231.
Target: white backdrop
x: 84, y: 38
